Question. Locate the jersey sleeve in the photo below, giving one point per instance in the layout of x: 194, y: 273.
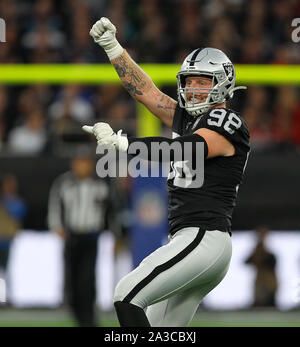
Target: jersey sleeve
x: 228, y: 124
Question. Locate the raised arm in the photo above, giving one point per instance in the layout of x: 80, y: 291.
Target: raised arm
x: 139, y: 85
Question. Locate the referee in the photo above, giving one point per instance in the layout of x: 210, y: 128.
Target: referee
x: 78, y: 211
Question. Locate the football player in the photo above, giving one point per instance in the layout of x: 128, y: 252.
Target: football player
x: 169, y: 284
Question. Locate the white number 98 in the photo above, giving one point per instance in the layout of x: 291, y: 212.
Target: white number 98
x: 217, y: 118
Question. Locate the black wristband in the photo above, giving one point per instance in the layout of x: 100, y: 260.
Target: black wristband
x: 163, y: 149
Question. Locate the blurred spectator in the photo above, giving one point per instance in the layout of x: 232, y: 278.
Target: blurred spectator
x: 257, y: 117
x: 67, y: 115
x: 257, y: 96
x: 13, y: 209
x: 43, y: 40
x: 224, y: 37
x: 296, y: 125
x: 78, y: 206
x: 117, y: 11
x: 264, y: 262
x: 105, y: 97
x: 27, y: 102
x: 112, y: 104
x: 259, y: 127
x: 29, y: 138
x: 154, y: 43
x: 82, y: 49
x: 42, y: 93
x: 253, y: 51
x: 10, y: 200
x: 119, y: 117
x: 282, y: 115
x: 72, y: 101
x: 8, y: 9
x: 30, y: 99
x: 189, y: 18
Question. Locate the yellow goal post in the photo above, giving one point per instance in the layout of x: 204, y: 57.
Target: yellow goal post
x: 161, y: 74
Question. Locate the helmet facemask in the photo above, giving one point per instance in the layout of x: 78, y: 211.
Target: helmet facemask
x: 192, y: 98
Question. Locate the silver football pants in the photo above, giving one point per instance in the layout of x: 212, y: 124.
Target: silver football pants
x: 172, y: 281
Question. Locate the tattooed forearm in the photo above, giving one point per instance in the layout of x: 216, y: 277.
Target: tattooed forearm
x: 132, y: 89
x: 166, y: 107
x: 134, y: 79
x: 141, y: 87
x: 120, y: 70
x: 166, y: 103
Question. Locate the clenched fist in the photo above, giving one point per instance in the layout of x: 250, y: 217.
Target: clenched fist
x: 104, y: 34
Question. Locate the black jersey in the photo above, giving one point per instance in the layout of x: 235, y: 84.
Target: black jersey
x: 211, y: 205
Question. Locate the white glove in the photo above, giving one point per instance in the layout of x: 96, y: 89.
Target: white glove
x: 106, y: 136
x: 104, y: 33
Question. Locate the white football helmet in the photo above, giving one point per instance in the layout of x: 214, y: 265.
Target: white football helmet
x: 206, y: 62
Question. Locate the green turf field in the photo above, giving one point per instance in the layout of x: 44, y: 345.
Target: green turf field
x: 61, y: 318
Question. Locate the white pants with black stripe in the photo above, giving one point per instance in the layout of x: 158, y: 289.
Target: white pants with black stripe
x: 172, y: 281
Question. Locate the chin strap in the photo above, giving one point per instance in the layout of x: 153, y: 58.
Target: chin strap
x: 234, y: 89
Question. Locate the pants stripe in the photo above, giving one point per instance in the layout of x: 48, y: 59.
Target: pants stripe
x: 163, y: 267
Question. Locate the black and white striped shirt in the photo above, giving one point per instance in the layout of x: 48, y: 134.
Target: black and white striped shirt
x: 78, y: 205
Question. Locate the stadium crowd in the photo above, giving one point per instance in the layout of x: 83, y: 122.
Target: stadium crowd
x: 35, y: 119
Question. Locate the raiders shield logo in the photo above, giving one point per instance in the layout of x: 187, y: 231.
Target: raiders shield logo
x: 229, y: 70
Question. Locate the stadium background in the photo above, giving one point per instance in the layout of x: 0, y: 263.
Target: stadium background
x: 41, y: 114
